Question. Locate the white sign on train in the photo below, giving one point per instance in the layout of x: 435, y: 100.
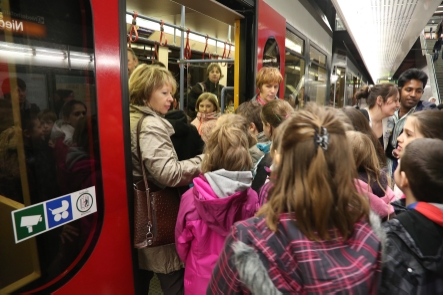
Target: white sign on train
x: 39, y: 218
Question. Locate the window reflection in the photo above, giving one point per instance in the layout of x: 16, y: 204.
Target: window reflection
x: 317, y: 77
x: 294, y: 43
x: 294, y: 80
x: 317, y: 84
x: 317, y: 56
x: 340, y: 88
x: 271, y: 54
x: 48, y: 134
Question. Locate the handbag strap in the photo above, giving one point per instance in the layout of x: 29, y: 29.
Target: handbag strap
x: 145, y: 179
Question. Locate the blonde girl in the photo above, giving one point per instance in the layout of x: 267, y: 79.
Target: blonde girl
x: 372, y: 180
x: 208, y: 112
x: 221, y: 196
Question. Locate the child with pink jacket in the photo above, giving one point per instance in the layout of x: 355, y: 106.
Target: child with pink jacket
x: 221, y: 196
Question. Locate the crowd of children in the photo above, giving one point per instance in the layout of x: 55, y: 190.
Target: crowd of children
x: 301, y: 202
x: 277, y: 201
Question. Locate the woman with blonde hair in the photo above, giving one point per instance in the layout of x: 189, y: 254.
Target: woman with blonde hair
x: 150, y: 97
x: 313, y: 235
x: 372, y: 180
x: 221, y: 196
x: 208, y: 112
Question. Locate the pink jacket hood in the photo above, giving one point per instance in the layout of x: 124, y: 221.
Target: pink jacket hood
x: 223, y: 197
x: 381, y: 206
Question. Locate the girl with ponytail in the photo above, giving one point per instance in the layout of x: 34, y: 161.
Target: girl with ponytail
x: 272, y: 115
x: 314, y: 228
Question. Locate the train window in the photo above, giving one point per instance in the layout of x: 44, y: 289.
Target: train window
x: 340, y: 87
x: 294, y: 71
x: 271, y: 54
x: 294, y: 80
x: 351, y: 87
x: 49, y: 150
x: 294, y: 43
x: 317, y: 77
x: 317, y: 56
x: 317, y: 84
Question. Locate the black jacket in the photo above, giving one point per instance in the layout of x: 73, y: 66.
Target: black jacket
x: 262, y: 174
x: 412, y: 255
x: 186, y: 140
x: 437, y: 45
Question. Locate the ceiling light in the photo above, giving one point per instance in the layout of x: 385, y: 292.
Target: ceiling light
x: 16, y: 48
x: 393, y: 27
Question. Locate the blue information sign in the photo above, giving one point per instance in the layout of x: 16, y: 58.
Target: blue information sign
x: 59, y: 211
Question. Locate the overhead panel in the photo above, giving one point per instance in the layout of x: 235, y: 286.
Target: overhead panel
x: 384, y: 30
x: 212, y: 9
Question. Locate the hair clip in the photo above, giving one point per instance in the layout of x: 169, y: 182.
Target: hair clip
x: 278, y: 117
x: 321, y: 140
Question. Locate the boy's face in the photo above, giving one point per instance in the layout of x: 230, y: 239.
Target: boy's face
x: 214, y: 75
x: 78, y: 111
x: 47, y: 127
x: 37, y: 131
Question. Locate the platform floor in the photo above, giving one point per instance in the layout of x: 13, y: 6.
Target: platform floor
x: 154, y: 288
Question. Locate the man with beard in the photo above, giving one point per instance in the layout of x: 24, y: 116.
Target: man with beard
x: 411, y: 84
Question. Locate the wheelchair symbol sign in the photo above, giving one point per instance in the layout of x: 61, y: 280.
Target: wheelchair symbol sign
x: 59, y: 211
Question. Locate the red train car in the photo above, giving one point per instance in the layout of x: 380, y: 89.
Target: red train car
x: 66, y: 213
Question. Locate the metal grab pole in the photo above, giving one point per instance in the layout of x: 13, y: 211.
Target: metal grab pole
x: 182, y: 56
x: 185, y: 61
x: 222, y: 97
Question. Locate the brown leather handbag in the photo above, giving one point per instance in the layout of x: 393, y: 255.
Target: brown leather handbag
x: 155, y: 209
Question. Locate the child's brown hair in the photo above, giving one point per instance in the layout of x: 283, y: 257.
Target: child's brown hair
x: 47, y: 115
x: 208, y: 96
x: 228, y: 146
x: 275, y: 112
x: 314, y: 180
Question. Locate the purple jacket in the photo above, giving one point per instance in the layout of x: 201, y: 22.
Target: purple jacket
x: 207, y: 212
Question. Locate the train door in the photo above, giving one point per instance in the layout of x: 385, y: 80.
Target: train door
x: 271, y: 33
x: 62, y: 165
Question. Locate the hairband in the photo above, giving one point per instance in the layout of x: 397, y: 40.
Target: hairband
x: 321, y: 140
